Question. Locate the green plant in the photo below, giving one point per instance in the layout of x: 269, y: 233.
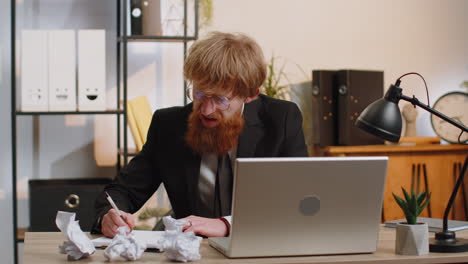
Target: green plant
x: 413, y: 204
x: 151, y: 212
x: 271, y: 86
x: 465, y: 84
x: 298, y: 92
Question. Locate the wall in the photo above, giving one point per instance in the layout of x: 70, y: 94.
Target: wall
x: 398, y: 36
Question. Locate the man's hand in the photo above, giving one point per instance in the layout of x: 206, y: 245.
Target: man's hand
x: 209, y: 227
x: 111, y: 221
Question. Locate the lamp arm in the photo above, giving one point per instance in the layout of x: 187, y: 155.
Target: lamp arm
x: 413, y: 100
x: 454, y: 193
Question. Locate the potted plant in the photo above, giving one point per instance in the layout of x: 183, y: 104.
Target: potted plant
x: 412, y: 238
x: 465, y: 84
x: 271, y: 86
x: 278, y: 85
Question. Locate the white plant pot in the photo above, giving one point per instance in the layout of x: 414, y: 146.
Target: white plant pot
x: 412, y: 239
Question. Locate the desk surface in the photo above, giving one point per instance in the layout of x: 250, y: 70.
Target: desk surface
x: 42, y: 247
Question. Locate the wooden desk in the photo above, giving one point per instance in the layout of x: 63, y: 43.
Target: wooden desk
x: 441, y: 162
x: 42, y: 248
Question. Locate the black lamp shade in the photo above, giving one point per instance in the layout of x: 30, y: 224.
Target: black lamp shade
x: 382, y: 118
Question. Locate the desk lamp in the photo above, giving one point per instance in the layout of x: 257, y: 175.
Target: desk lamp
x: 382, y: 118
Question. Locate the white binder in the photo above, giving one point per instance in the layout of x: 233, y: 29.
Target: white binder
x: 34, y: 71
x: 62, y: 70
x: 91, y: 70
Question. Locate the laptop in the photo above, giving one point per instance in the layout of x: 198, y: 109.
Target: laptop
x: 304, y: 206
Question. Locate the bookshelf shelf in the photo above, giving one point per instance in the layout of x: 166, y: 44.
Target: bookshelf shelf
x: 107, y: 112
x: 131, y: 152
x: 20, y: 234
x: 156, y: 39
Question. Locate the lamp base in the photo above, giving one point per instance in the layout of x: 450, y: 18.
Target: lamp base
x: 446, y: 242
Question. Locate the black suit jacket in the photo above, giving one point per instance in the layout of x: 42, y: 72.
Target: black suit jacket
x: 273, y: 128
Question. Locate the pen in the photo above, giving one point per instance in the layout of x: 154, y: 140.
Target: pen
x: 115, y: 208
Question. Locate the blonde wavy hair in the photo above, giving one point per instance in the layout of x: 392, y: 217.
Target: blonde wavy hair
x: 233, y: 62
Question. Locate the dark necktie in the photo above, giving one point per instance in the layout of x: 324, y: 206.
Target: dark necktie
x: 223, y: 187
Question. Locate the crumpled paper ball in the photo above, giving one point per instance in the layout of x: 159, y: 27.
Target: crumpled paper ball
x: 177, y: 245
x: 125, y: 246
x: 78, y: 245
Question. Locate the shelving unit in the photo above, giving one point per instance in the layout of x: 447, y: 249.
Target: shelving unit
x: 122, y: 45
x: 109, y: 112
x: 18, y: 232
x: 120, y: 109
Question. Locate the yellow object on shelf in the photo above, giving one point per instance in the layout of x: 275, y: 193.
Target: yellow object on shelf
x: 139, y: 119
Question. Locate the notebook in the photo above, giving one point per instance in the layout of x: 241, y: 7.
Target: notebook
x: 304, y: 206
x: 150, y: 238
x: 434, y: 224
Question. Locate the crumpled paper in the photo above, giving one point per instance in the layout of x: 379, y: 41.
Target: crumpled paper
x: 125, y: 246
x: 78, y: 245
x: 179, y: 246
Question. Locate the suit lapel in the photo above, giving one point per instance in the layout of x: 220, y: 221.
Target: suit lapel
x: 253, y: 131
x: 191, y: 167
x: 192, y: 173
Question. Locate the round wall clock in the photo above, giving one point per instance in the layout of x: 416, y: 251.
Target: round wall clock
x: 455, y: 106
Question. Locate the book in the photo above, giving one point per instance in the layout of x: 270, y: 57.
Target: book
x: 133, y: 128
x: 34, y: 71
x: 139, y: 119
x: 91, y: 70
x: 434, y: 224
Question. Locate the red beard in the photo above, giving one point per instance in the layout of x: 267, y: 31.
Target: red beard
x: 219, y: 139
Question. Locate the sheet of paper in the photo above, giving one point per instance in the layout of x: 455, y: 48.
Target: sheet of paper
x: 78, y: 244
x: 177, y: 245
x: 151, y: 238
x: 124, y: 246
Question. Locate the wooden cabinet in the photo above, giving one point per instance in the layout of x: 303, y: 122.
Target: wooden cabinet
x: 435, y: 167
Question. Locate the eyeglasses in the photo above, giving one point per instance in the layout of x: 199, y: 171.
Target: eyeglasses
x: 222, y: 103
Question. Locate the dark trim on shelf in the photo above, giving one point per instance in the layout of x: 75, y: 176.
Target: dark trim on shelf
x: 13, y: 129
x: 185, y: 81
x: 185, y: 19
x: 124, y: 75
x: 196, y: 19
x: 107, y: 112
x: 20, y: 234
x: 185, y: 47
x: 117, y: 64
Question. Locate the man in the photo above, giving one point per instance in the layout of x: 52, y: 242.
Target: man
x: 191, y: 149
